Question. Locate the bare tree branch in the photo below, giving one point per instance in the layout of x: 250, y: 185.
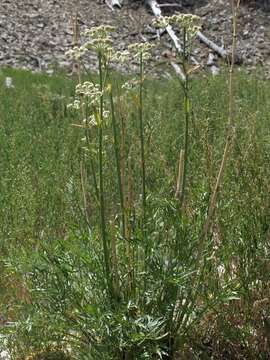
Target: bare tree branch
x: 218, y: 49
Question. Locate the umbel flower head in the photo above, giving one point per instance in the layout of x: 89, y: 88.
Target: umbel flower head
x: 188, y: 22
x: 76, y: 53
x: 141, y: 50
x: 87, y: 100
x: 121, y: 56
x: 134, y: 51
x: 86, y: 93
x: 99, y: 39
x: 90, y: 91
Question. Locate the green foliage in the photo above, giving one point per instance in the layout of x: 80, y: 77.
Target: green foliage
x: 54, y: 282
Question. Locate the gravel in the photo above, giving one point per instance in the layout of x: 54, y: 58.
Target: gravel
x: 36, y: 34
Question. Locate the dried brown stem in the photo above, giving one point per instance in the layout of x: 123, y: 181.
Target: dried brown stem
x: 230, y: 133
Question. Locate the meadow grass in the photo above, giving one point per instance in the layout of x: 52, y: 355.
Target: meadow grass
x: 53, y: 274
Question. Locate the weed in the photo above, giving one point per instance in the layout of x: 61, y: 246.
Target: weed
x: 105, y: 254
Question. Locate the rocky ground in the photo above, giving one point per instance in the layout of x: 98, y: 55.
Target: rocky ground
x: 35, y: 34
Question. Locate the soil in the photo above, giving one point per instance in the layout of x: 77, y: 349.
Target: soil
x: 35, y: 34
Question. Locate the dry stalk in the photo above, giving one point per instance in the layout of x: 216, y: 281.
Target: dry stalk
x: 77, y: 69
x: 75, y: 42
x: 122, y: 157
x: 230, y: 132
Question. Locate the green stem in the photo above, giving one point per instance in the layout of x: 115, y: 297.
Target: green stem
x: 187, y: 115
x: 142, y: 140
x: 145, y: 241
x: 118, y: 169
x: 101, y: 185
x: 92, y: 166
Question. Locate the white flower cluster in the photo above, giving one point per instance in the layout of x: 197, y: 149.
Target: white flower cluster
x: 95, y: 120
x: 190, y: 23
x: 99, y: 39
x: 134, y: 51
x: 122, y: 57
x: 76, y: 105
x: 141, y: 50
x: 90, y: 91
x: 76, y: 53
x: 99, y: 32
x: 86, y: 93
x: 131, y: 84
x: 87, y: 99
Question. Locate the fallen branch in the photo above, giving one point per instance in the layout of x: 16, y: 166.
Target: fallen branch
x: 218, y: 49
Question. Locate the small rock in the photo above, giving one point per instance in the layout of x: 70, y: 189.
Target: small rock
x: 211, y: 59
x: 215, y: 70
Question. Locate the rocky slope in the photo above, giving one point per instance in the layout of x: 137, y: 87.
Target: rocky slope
x: 35, y: 34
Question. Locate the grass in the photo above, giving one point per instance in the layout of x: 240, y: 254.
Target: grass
x: 53, y: 273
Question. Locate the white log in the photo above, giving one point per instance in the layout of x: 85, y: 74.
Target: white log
x: 218, y: 49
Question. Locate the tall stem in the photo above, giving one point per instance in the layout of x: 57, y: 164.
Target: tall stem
x: 142, y: 139
x: 101, y: 185
x: 184, y: 153
x: 185, y: 162
x: 75, y: 42
x: 230, y: 132
x: 118, y: 169
x: 145, y: 243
